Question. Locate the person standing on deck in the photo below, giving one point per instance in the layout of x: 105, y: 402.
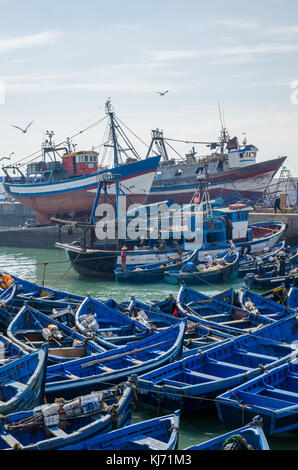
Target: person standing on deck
x: 229, y: 228
x: 123, y: 258
x: 282, y: 268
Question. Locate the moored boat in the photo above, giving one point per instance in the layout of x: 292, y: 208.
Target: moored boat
x: 160, y: 434
x: 219, y: 315
x: 92, y: 373
x: 95, y: 319
x: 23, y: 382
x: 193, y: 382
x: 219, y: 270
x: 67, y: 423
x: 249, y: 437
x: 30, y: 329
x: 274, y: 396
x: 263, y: 306
x: 153, y: 272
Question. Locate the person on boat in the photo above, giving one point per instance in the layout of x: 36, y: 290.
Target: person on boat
x: 188, y: 268
x: 229, y: 228
x: 207, y: 258
x: 282, y: 264
x: 288, y: 249
x: 151, y: 244
x: 6, y: 281
x: 277, y: 205
x: 123, y: 258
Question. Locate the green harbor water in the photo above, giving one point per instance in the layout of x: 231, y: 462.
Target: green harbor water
x: 29, y: 264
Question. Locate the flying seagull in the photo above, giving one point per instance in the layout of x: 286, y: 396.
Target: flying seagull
x: 162, y: 92
x: 23, y: 130
x: 7, y: 158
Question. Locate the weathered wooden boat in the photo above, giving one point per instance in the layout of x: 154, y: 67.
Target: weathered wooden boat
x: 277, y: 294
x: 284, y: 330
x: 7, y: 298
x: 23, y: 382
x: 30, y: 329
x: 291, y: 259
x: 193, y: 382
x: 274, y: 396
x: 254, y: 281
x: 95, y: 319
x: 9, y: 351
x: 249, y: 437
x: 155, y: 434
x: 42, y: 298
x: 152, y: 272
x: 292, y: 298
x: 225, y: 270
x: 67, y: 423
x: 260, y: 305
x: 264, y: 255
x: 92, y: 373
x: 197, y: 337
x: 219, y: 315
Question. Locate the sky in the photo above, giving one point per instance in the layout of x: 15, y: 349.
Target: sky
x: 61, y: 60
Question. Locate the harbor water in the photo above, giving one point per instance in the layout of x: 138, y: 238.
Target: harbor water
x: 29, y: 264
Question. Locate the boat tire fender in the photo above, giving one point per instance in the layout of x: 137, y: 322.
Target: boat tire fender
x: 246, y: 249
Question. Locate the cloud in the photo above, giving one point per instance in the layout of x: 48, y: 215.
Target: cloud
x: 224, y: 52
x: 21, y: 42
x: 241, y: 24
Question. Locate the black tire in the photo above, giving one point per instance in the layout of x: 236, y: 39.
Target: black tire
x: 245, y: 250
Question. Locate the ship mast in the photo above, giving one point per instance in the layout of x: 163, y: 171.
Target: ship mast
x: 110, y: 112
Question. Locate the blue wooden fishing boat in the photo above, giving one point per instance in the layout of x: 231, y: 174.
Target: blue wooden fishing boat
x: 7, y: 298
x: 197, y: 337
x: 219, y: 270
x: 23, y: 382
x: 92, y: 373
x: 9, y: 351
x: 260, y: 305
x: 264, y: 255
x: 219, y: 315
x: 153, y: 272
x: 284, y: 330
x: 160, y: 434
x: 67, y: 423
x: 95, y: 319
x: 292, y: 299
x: 274, y: 396
x: 42, y: 298
x: 254, y: 281
x: 193, y: 382
x: 30, y: 329
x: 291, y: 259
x: 249, y: 437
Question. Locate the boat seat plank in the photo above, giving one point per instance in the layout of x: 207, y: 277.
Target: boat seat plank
x: 257, y: 355
x: 10, y: 440
x: 202, y: 375
x: 107, y: 369
x: 16, y: 384
x: 264, y: 401
x: 283, y: 394
x: 57, y: 432
x: 71, y: 375
x: 234, y: 366
x: 154, y: 444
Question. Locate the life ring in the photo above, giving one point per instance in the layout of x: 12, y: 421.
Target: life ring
x: 245, y: 250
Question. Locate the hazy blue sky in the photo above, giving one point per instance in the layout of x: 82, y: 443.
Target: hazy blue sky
x: 60, y: 60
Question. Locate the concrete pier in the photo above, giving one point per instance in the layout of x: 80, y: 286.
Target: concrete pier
x: 14, y: 214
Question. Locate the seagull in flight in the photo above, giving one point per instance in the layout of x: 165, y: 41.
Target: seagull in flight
x: 7, y: 158
x: 162, y: 92
x: 23, y: 130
